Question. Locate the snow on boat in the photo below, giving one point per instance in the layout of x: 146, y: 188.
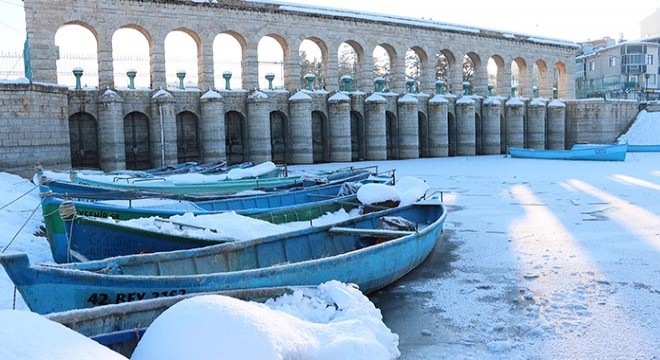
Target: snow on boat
x: 360, y: 250
x: 613, y: 152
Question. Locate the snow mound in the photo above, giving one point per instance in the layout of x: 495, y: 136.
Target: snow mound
x: 411, y: 189
x: 34, y: 337
x: 644, y: 131
x: 254, y: 171
x: 350, y: 328
x: 406, y: 191
x: 369, y: 194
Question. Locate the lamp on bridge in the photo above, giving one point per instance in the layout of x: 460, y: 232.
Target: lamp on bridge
x: 78, y: 72
x: 181, y: 74
x: 310, y: 81
x: 270, y: 77
x: 347, y: 79
x: 131, y: 78
x: 227, y: 76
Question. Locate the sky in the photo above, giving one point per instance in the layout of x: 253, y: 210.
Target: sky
x: 560, y: 19
x: 540, y: 259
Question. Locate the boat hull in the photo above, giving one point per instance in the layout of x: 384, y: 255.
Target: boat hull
x: 304, y: 257
x: 615, y: 152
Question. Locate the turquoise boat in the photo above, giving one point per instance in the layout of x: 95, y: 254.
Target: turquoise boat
x: 360, y: 250
x: 643, y: 148
x: 121, y: 326
x: 131, y: 209
x: 613, y: 152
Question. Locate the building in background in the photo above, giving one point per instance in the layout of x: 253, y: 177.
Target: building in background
x: 650, y: 26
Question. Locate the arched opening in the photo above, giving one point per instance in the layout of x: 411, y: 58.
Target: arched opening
x: 469, y: 68
x: 83, y: 141
x: 180, y: 57
x: 413, y: 68
x: 271, y: 61
x: 187, y: 138
x: 235, y: 141
x: 479, y: 139
x: 320, y: 145
x: 136, y: 141
x: 279, y: 136
x: 452, y: 134
x: 444, y: 66
x: 382, y: 64
x: 391, y: 135
x: 357, y: 136
x: 519, y: 79
x: 311, y: 62
x: 497, y: 75
x: 503, y: 144
x: 77, y: 49
x: 348, y: 63
x: 424, y: 134
x: 227, y: 59
x: 540, y: 81
x: 130, y: 51
x: 560, y: 81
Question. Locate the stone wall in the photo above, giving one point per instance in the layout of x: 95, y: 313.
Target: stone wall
x: 33, y: 127
x: 598, y: 121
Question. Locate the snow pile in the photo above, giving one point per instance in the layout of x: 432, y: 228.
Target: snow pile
x: 27, y: 336
x: 336, y: 322
x: 254, y: 171
x: 406, y: 191
x: 644, y: 130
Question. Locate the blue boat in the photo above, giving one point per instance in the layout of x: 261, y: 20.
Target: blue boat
x: 90, y: 238
x: 121, y: 326
x: 613, y: 152
x: 643, y: 148
x: 360, y: 250
x: 132, y: 209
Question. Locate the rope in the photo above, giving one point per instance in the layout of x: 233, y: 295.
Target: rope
x: 13, y: 305
x: 18, y: 198
x: 19, y: 230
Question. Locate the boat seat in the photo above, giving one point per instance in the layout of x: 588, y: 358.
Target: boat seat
x: 380, y: 233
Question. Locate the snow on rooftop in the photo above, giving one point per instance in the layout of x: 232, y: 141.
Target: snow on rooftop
x: 211, y: 95
x: 491, y: 100
x: 376, y: 97
x: 339, y: 97
x: 162, y: 93
x: 300, y: 96
x: 258, y: 95
x: 514, y: 102
x: 408, y: 99
x: 438, y: 99
x: 465, y: 100
x: 556, y: 103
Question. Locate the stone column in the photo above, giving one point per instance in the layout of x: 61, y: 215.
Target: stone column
x: 331, y: 70
x: 536, y: 125
x: 112, y: 155
x: 258, y: 127
x: 365, y: 73
x: 491, y: 136
x: 397, y: 75
x: 212, y: 127
x: 205, y: 64
x: 556, y: 125
x: 292, y: 67
x: 438, y: 127
x: 157, y: 62
x: 162, y: 129
x: 504, y: 81
x: 514, y: 110
x: 480, y: 82
x: 250, y: 67
x: 375, y: 128
x: 106, y: 69
x: 427, y: 78
x: 408, y: 127
x: 456, y: 76
x: 465, y: 127
x: 340, y: 127
x: 300, y: 125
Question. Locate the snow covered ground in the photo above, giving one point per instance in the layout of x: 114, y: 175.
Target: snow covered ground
x: 543, y: 259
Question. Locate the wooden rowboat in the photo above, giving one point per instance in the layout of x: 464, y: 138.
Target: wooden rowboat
x: 356, y: 251
x: 614, y: 152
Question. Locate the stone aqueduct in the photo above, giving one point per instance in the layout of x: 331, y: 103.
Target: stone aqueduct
x: 111, y: 127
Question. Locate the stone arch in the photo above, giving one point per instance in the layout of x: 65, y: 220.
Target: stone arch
x: 497, y: 75
x: 350, y: 60
x: 560, y: 80
x: 445, y: 66
x: 357, y: 136
x: 479, y: 136
x: 130, y: 51
x: 279, y: 137
x: 136, y: 141
x: 519, y: 78
x: 182, y: 49
x: 320, y: 143
x: 228, y: 52
x: 235, y: 137
x: 77, y: 44
x: 416, y: 66
x: 278, y: 53
x: 540, y: 79
x: 317, y: 66
x: 391, y: 135
x: 187, y: 137
x: 384, y: 64
x: 83, y: 141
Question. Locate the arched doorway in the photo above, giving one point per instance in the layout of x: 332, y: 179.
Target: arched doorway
x: 320, y: 144
x: 187, y: 138
x: 452, y: 134
x: 423, y: 129
x: 391, y: 135
x: 83, y: 141
x: 234, y: 137
x: 479, y: 139
x: 357, y: 136
x: 279, y: 136
x: 136, y: 140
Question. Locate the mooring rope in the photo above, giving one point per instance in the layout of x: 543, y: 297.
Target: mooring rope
x: 13, y: 305
x: 19, y: 230
x: 18, y: 198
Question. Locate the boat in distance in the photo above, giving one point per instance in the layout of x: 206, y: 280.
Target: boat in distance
x: 358, y: 250
x: 608, y: 152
